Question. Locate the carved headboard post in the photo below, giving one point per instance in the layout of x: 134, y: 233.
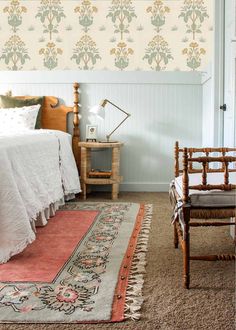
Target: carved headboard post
x: 76, y: 131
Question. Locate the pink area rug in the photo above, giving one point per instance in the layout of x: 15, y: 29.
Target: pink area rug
x: 86, y: 266
x: 43, y: 259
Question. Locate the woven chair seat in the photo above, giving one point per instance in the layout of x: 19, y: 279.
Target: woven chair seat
x: 207, y: 212
x: 213, y: 213
x: 208, y: 198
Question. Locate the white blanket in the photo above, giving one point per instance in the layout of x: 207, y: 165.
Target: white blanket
x: 37, y: 169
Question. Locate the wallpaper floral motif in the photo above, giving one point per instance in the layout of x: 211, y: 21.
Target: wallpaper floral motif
x: 50, y: 13
x: 86, y: 53
x: 158, y: 52
x: 194, y: 13
x: 14, y: 53
x: 121, y: 13
x: 119, y: 35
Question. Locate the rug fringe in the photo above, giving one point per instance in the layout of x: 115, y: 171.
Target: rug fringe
x: 134, y: 298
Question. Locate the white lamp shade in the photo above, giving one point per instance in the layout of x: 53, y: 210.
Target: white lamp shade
x: 99, y: 111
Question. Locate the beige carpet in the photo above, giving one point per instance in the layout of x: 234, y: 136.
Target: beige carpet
x: 209, y: 304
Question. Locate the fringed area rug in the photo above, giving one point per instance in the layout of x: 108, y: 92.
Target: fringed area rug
x: 86, y: 266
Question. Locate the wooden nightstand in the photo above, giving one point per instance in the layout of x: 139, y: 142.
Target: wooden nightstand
x: 99, y: 177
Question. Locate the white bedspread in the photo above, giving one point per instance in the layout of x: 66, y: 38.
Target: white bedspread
x: 37, y: 169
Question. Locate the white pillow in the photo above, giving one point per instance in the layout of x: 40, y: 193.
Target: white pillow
x: 18, y: 119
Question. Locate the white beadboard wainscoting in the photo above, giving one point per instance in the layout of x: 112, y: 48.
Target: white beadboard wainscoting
x: 164, y: 107
x: 208, y: 103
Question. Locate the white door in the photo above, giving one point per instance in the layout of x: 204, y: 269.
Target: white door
x: 229, y: 117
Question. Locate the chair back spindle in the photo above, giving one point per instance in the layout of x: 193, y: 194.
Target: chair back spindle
x: 204, y: 173
x: 226, y: 173
x: 176, y: 159
x: 185, y: 176
x: 204, y: 161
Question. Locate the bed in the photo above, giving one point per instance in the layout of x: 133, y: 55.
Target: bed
x: 38, y: 173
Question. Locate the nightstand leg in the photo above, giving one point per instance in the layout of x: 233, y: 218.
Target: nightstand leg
x: 83, y: 171
x: 115, y: 190
x: 115, y: 169
x: 88, y: 169
x: 84, y: 191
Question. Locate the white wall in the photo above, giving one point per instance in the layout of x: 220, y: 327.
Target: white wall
x: 164, y: 107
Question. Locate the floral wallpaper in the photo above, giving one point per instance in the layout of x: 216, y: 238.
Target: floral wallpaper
x: 118, y: 35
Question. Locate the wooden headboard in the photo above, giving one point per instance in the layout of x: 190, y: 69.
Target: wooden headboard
x: 54, y: 116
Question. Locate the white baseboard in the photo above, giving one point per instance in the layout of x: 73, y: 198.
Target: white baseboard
x: 137, y: 187
x: 144, y: 186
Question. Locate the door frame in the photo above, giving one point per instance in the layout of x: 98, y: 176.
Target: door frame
x: 218, y: 71
x: 218, y: 74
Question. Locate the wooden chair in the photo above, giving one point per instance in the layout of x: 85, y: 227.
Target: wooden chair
x: 204, y: 192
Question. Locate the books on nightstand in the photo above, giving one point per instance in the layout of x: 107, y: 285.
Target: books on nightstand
x: 96, y: 173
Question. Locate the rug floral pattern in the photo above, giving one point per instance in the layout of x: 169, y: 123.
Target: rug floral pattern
x: 78, y: 282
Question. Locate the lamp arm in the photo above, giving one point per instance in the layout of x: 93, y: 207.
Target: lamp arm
x: 127, y: 116
x: 114, y: 105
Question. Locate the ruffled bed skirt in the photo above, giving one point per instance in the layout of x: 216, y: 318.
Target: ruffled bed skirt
x: 12, y: 248
x: 50, y: 211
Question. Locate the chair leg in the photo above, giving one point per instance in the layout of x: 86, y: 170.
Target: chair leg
x: 186, y: 248
x: 186, y: 276
x: 176, y: 238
